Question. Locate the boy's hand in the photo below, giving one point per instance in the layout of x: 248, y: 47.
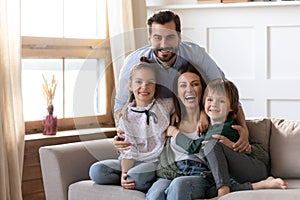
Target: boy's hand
x: 224, y: 140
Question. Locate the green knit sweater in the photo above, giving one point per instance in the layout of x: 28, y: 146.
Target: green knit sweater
x: 194, y: 146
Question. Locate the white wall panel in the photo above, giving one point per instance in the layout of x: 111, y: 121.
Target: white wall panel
x: 225, y: 43
x: 257, y: 44
x: 284, y: 108
x: 284, y: 52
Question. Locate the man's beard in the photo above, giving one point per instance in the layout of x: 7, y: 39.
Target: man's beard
x: 166, y: 58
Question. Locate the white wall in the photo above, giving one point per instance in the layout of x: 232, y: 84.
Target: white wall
x: 257, y: 45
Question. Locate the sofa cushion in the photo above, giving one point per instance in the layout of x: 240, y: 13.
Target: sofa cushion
x: 89, y: 190
x: 259, y: 130
x: 284, y: 148
x: 274, y: 194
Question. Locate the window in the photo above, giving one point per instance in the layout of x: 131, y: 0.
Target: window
x: 67, y: 39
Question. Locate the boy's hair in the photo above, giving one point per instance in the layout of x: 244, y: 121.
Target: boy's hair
x: 162, y: 17
x: 179, y: 107
x: 145, y: 63
x: 225, y: 87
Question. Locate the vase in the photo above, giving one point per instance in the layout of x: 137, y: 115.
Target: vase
x: 50, y: 122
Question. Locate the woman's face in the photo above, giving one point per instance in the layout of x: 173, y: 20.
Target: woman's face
x: 189, y: 89
x: 143, y: 86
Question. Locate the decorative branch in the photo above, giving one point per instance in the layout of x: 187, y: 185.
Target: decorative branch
x: 49, y: 89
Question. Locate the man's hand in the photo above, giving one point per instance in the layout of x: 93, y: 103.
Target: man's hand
x: 127, y: 184
x: 119, y: 141
x: 242, y: 145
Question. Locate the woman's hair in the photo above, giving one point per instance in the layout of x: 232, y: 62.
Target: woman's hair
x: 228, y: 88
x: 179, y: 107
x: 145, y: 63
x: 162, y: 17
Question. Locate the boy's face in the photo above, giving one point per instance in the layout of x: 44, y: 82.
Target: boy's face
x: 189, y: 90
x: 164, y: 41
x: 217, y: 106
x: 143, y: 87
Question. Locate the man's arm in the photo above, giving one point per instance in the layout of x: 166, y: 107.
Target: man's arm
x: 242, y: 144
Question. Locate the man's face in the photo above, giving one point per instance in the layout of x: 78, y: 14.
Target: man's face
x: 164, y: 41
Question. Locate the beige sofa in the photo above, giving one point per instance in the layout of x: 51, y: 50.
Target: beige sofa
x: 65, y: 167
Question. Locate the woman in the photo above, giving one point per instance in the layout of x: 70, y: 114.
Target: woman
x: 188, y: 177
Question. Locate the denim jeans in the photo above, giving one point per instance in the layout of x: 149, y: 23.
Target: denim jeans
x: 180, y: 188
x: 187, y: 187
x: 191, y: 167
x: 108, y: 172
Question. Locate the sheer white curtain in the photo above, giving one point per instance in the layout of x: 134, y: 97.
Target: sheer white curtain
x: 127, y: 29
x: 11, y: 119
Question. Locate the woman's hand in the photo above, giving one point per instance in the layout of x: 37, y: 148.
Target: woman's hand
x: 172, y: 131
x: 174, y: 118
x: 242, y: 145
x: 203, y: 122
x: 119, y: 143
x: 127, y: 184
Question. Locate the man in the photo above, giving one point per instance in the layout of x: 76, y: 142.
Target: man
x: 168, y: 50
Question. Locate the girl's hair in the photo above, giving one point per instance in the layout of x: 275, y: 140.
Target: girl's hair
x: 229, y: 89
x: 179, y: 107
x: 145, y: 63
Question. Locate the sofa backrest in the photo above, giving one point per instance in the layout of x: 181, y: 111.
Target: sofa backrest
x: 285, y: 148
x: 259, y: 130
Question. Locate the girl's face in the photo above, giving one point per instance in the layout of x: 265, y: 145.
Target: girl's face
x: 143, y: 86
x: 189, y: 89
x: 217, y: 106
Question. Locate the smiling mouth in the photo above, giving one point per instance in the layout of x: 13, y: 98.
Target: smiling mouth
x: 165, y: 50
x: 144, y: 93
x: 213, y: 110
x: 188, y: 98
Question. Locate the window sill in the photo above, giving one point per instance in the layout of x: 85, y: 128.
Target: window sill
x: 84, y: 134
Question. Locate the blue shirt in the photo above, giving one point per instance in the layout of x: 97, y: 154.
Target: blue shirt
x: 187, y: 52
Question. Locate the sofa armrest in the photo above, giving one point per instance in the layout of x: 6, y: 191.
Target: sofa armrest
x: 65, y: 164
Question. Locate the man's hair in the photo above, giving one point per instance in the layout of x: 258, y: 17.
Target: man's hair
x: 162, y: 17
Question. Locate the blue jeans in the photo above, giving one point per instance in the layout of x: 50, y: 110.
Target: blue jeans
x: 108, y: 172
x: 180, y: 188
x: 188, y: 187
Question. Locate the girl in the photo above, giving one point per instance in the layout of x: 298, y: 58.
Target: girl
x: 144, y: 121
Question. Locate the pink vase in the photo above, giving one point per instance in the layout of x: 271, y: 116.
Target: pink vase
x: 50, y: 122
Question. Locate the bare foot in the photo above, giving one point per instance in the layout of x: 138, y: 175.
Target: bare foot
x: 273, y: 183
